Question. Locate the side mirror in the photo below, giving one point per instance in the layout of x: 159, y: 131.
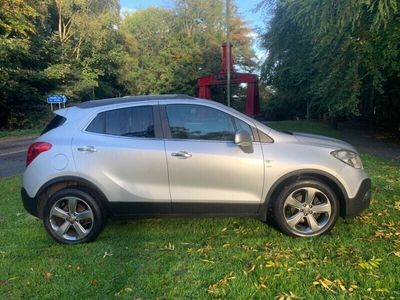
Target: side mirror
x: 243, y: 140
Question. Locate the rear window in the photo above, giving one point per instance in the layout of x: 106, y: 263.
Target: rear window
x: 131, y: 122
x: 57, y: 121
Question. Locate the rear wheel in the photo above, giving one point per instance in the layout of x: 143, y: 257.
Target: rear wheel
x: 306, y: 208
x: 72, y: 216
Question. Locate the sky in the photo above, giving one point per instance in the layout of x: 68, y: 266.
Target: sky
x: 246, y: 9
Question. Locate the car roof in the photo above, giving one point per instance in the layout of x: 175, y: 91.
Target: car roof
x: 129, y: 99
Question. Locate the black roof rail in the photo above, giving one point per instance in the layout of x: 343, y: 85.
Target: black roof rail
x: 128, y: 99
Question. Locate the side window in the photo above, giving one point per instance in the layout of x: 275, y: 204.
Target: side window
x: 98, y: 125
x: 132, y: 121
x: 199, y: 122
x: 240, y: 125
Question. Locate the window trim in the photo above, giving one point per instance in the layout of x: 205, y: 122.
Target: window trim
x: 271, y: 140
x: 156, y: 123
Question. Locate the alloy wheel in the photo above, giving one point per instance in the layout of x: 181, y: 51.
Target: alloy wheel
x: 307, y: 210
x: 71, y: 218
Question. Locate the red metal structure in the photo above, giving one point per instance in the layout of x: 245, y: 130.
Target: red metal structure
x: 205, y: 83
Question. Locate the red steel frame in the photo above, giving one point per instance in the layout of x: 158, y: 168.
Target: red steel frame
x: 252, y: 100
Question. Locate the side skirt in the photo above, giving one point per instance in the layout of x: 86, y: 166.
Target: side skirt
x: 164, y: 209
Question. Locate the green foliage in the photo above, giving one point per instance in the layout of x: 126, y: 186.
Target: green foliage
x: 168, y: 49
x: 85, y: 50
x: 20, y: 61
x: 339, y: 58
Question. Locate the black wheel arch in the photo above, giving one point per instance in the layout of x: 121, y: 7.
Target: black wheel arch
x: 58, y: 183
x: 298, y: 175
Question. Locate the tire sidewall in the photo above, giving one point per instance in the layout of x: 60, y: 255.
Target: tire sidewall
x: 98, y: 219
x: 278, y: 207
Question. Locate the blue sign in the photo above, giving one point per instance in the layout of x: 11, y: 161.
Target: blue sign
x: 57, y: 99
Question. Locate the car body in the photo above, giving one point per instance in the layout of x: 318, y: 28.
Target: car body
x: 174, y: 155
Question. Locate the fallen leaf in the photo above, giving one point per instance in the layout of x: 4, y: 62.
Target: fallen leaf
x: 219, y: 288
x: 169, y: 247
x: 371, y: 264
x: 396, y: 253
x: 287, y: 296
x: 48, y: 276
x: 247, y: 272
x: 107, y: 254
x: 123, y: 291
x: 207, y: 261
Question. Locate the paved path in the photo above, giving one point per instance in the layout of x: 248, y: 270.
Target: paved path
x: 370, y: 141
x: 13, y: 155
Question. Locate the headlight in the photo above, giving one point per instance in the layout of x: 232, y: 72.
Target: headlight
x: 348, y: 157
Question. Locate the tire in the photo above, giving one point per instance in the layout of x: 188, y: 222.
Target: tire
x: 82, y: 225
x: 306, y: 208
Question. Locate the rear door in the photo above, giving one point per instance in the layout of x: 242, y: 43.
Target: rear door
x: 208, y: 172
x: 122, y: 152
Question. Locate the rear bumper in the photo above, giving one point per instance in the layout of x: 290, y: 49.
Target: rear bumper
x: 30, y: 204
x: 356, y: 205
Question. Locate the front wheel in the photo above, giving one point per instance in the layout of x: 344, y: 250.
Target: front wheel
x: 72, y: 216
x: 306, y: 208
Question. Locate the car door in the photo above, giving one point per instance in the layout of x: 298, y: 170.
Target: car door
x: 122, y: 152
x: 208, y: 172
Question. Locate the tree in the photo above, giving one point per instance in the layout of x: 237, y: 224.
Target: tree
x: 170, y: 48
x: 344, y: 55
x: 18, y: 63
x: 82, y: 49
x: 88, y: 48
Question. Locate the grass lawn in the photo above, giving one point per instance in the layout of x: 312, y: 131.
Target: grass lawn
x: 315, y: 127
x: 4, y: 134
x: 229, y: 258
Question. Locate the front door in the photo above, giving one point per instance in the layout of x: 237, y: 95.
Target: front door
x: 208, y: 172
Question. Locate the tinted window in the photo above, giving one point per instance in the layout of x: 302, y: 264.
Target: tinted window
x: 54, y: 123
x: 132, y: 121
x: 199, y: 123
x: 240, y: 125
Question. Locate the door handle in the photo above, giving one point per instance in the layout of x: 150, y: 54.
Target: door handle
x: 181, y: 154
x: 87, y: 148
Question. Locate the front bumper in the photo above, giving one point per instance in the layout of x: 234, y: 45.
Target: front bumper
x: 356, y: 205
x: 30, y: 204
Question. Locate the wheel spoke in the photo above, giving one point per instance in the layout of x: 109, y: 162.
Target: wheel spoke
x: 313, y: 223
x: 79, y: 229
x: 310, y: 195
x: 58, y: 212
x: 293, y: 202
x: 72, y: 204
x: 322, y: 208
x: 84, y: 215
x: 63, y: 228
x: 294, y: 220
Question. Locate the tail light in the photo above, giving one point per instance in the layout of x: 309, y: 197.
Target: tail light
x: 35, y: 149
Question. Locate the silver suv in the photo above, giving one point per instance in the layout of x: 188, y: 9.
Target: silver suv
x: 174, y: 155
